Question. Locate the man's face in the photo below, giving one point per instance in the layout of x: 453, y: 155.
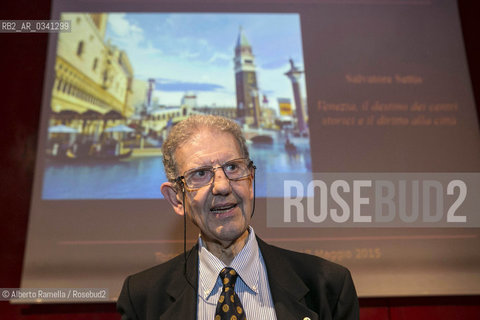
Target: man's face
x: 222, y: 210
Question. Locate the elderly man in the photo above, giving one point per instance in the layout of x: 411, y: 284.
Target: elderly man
x: 230, y: 273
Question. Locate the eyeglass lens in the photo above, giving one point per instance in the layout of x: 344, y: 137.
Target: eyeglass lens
x: 234, y: 170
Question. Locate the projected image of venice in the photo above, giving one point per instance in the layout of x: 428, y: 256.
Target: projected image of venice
x: 123, y: 80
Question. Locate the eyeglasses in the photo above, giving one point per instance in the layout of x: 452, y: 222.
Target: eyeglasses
x: 234, y: 170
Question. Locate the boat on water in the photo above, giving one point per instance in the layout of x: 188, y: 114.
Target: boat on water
x: 95, y: 152
x: 70, y: 157
x: 265, y: 139
x: 289, y: 146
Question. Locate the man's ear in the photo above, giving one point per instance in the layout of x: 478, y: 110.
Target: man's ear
x: 171, y: 194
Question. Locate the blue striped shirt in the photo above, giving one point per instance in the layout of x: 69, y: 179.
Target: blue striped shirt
x: 251, y: 286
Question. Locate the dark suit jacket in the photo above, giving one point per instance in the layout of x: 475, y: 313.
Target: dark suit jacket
x: 301, y: 285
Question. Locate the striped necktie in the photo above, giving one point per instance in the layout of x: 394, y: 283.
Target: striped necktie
x: 229, y: 306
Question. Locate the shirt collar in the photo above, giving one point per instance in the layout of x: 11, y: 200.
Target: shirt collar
x: 246, y: 264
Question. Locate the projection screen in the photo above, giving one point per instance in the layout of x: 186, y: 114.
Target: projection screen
x: 335, y: 90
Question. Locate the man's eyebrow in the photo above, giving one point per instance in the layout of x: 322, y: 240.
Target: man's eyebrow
x: 200, y: 167
x: 209, y: 163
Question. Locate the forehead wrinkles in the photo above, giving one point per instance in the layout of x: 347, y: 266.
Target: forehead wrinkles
x: 204, y: 159
x: 204, y: 149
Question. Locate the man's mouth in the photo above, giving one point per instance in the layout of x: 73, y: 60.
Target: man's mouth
x: 218, y: 209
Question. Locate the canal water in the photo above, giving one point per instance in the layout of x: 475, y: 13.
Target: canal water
x: 140, y: 178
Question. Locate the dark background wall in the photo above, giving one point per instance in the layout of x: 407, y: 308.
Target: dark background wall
x: 22, y: 66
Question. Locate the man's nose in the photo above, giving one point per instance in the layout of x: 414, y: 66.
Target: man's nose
x: 221, y: 184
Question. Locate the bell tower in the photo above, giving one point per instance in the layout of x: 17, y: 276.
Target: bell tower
x: 248, y: 105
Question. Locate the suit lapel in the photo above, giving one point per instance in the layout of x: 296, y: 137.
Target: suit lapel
x: 288, y: 290
x: 183, y: 290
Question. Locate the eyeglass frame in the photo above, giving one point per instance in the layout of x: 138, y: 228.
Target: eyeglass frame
x: 179, y: 179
